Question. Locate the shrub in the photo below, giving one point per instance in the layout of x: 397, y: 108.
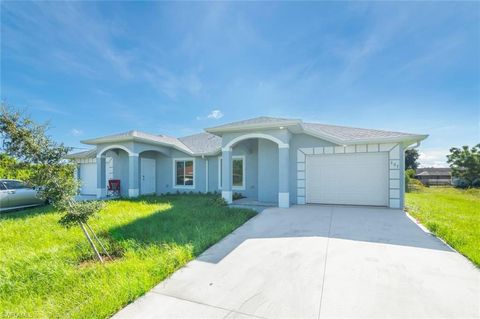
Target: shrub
x: 460, y: 182
x: 476, y: 183
x: 411, y: 183
x: 415, y: 185
x: 218, y: 201
x: 236, y: 196
x: 407, y: 182
x: 410, y: 173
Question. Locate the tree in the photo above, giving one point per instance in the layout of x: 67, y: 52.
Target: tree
x: 465, y: 164
x: 411, y: 157
x: 13, y: 169
x: 28, y: 143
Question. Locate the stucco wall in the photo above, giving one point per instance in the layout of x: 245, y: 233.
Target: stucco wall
x: 213, y: 173
x: 267, y: 171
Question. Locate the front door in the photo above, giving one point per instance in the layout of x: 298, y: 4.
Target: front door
x: 147, y: 176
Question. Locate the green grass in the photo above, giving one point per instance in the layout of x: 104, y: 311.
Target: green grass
x: 451, y: 214
x: 47, y: 271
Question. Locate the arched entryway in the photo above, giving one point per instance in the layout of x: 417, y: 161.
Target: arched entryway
x: 272, y: 170
x: 116, y: 162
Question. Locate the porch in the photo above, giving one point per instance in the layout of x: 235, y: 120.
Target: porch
x: 265, y: 161
x: 135, y: 172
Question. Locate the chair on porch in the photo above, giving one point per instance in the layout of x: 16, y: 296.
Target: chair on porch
x: 113, y: 188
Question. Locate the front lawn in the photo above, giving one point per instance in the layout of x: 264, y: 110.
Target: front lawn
x: 451, y: 214
x: 47, y: 271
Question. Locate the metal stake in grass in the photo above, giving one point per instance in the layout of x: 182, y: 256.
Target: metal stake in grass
x: 98, y: 240
x: 91, y: 242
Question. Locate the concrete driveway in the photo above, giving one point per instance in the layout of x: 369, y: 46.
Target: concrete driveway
x: 320, y: 262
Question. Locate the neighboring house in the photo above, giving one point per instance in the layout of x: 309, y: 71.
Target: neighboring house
x: 434, y: 175
x: 272, y: 160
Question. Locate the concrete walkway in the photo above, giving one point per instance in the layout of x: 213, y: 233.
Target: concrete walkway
x: 320, y: 262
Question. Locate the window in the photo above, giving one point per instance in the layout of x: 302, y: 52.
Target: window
x: 15, y: 185
x: 184, y: 173
x: 238, y: 172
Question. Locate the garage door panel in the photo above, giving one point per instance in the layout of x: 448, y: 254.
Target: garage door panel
x: 356, y: 179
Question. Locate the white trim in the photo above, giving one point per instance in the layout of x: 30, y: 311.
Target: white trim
x: 174, y: 169
x: 106, y: 148
x: 283, y: 200
x: 236, y: 157
x: 237, y: 139
x: 133, y: 192
x: 227, y: 195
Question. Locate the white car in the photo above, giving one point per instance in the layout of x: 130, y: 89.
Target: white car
x: 15, y: 194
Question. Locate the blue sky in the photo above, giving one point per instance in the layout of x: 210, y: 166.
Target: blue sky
x: 97, y: 68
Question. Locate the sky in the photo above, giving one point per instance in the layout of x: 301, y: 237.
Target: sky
x: 175, y: 68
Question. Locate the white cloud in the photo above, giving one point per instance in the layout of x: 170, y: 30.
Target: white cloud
x: 76, y: 132
x: 215, y: 114
x: 433, y: 158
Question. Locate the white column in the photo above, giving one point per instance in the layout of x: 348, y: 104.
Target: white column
x: 283, y: 174
x: 101, y: 187
x: 227, y: 175
x: 133, y: 175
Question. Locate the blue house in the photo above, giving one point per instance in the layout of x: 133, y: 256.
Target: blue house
x: 270, y: 160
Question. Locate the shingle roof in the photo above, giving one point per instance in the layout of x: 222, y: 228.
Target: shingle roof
x: 262, y: 120
x: 84, y: 154
x: 162, y: 139
x: 438, y: 171
x: 202, y: 143
x: 345, y: 133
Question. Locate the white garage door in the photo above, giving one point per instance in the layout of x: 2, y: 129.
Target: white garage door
x: 88, y: 178
x: 350, y: 179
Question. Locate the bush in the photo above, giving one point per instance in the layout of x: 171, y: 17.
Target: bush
x: 410, y: 173
x: 460, y: 182
x: 236, y: 196
x: 407, y: 182
x: 218, y: 201
x: 476, y: 183
x: 12, y: 169
x: 411, y: 183
x: 415, y: 185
